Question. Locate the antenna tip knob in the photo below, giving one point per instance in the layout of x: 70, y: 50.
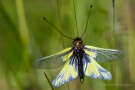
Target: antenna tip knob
x: 91, y: 6
x: 44, y: 18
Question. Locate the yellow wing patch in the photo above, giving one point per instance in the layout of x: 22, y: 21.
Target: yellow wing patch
x: 92, y: 54
x: 94, y: 70
x: 66, y: 57
x: 68, y: 73
x: 65, y: 50
x: 88, y: 46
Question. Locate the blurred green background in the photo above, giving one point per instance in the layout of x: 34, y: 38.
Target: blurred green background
x: 25, y: 37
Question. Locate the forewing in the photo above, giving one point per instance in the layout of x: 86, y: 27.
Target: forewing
x: 103, y: 55
x: 93, y: 70
x: 53, y: 61
x: 68, y: 73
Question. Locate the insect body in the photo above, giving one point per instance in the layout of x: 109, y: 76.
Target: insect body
x: 79, y: 60
x: 78, y: 53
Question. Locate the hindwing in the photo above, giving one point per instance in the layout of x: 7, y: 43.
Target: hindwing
x: 92, y: 69
x: 68, y: 73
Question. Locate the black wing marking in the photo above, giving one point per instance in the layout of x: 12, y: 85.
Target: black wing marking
x: 53, y: 61
x: 103, y: 55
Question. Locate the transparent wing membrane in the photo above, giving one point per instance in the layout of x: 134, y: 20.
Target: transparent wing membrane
x: 103, y: 55
x: 53, y: 61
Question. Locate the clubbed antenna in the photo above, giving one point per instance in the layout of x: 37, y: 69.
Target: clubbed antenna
x: 87, y: 21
